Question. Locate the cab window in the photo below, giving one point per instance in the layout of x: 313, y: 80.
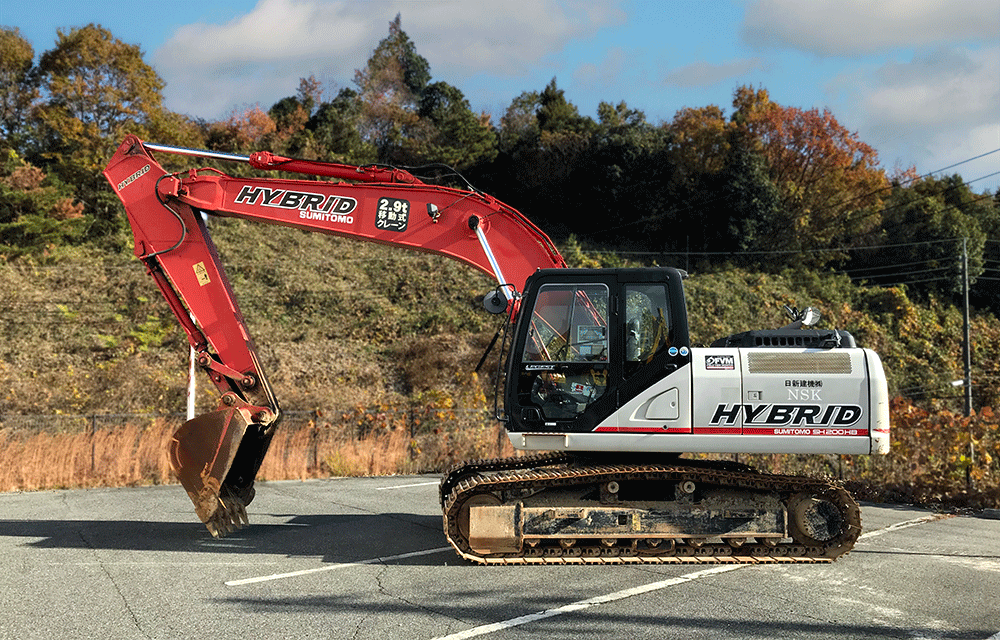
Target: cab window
x: 565, y: 362
x: 569, y: 324
x: 647, y: 324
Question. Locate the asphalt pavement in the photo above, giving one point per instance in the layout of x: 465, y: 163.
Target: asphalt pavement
x: 366, y: 558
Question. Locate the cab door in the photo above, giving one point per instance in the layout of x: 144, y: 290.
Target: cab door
x: 655, y: 388
x: 565, y: 362
x: 591, y: 341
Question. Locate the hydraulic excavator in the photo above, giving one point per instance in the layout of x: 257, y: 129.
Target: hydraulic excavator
x: 598, y: 378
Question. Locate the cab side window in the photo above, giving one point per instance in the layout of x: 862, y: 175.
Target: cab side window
x: 647, y: 324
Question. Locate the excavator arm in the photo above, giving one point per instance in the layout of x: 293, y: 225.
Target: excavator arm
x: 216, y: 456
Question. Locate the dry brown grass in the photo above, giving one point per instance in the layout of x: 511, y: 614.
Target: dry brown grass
x: 357, y: 443
x: 930, y: 462
x: 127, y: 455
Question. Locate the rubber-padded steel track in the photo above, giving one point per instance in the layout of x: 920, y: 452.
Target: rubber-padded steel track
x: 532, y: 473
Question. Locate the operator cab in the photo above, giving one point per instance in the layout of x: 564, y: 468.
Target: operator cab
x: 587, y: 341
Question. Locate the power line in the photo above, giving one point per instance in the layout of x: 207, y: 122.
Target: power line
x: 902, y: 265
x: 952, y: 166
x: 874, y: 192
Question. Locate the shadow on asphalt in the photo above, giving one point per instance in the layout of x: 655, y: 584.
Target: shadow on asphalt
x: 468, y: 608
x: 334, y: 538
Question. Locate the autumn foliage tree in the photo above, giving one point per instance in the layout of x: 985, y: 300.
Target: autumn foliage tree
x: 95, y: 89
x: 18, y: 88
x: 829, y: 183
x: 390, y: 86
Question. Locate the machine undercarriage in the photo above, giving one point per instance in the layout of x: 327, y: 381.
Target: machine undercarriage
x: 567, y: 509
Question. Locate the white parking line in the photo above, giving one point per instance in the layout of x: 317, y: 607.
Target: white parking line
x: 902, y: 525
x: 590, y: 602
x: 654, y: 586
x: 406, y: 486
x: 331, y: 567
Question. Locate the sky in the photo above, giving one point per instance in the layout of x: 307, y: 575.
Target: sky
x: 919, y: 80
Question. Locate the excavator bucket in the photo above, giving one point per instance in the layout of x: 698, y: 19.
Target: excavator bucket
x: 201, y: 453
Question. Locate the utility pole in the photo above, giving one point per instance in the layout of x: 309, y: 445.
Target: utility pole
x: 967, y: 355
x: 966, y: 344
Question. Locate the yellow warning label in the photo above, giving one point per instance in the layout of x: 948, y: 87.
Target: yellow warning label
x: 201, y: 273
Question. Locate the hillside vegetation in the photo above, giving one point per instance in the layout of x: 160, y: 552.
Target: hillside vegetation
x: 341, y: 323
x: 765, y: 204
x: 364, y: 337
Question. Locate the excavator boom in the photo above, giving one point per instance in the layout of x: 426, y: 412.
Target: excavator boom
x: 217, y: 455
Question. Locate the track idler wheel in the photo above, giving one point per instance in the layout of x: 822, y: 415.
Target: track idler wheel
x: 830, y: 521
x: 489, y: 538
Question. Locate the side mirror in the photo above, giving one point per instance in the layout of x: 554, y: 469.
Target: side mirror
x: 495, y: 302
x: 805, y: 318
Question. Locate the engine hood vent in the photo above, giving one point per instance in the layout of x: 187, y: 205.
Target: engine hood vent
x: 800, y: 363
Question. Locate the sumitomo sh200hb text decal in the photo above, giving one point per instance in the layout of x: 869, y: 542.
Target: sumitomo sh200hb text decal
x: 311, y: 206
x: 792, y: 419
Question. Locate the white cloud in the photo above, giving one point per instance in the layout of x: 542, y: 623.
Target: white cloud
x: 706, y: 74
x: 936, y: 150
x: 947, y: 88
x: 861, y: 27
x: 260, y: 56
x: 604, y: 75
x: 939, y: 108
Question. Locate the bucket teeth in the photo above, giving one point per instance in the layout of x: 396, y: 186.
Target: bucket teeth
x: 230, y: 516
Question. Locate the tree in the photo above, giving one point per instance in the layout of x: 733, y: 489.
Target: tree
x: 617, y: 186
x: 291, y: 116
x: 750, y: 203
x: 243, y: 132
x: 699, y: 143
x: 390, y: 87
x: 557, y: 114
x: 36, y: 210
x: 336, y: 129
x: 519, y: 124
x: 18, y: 87
x: 614, y: 118
x: 564, y: 134
x: 828, y: 180
x: 454, y: 134
x: 95, y: 90
x: 921, y: 240
x: 695, y: 214
x: 96, y: 86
